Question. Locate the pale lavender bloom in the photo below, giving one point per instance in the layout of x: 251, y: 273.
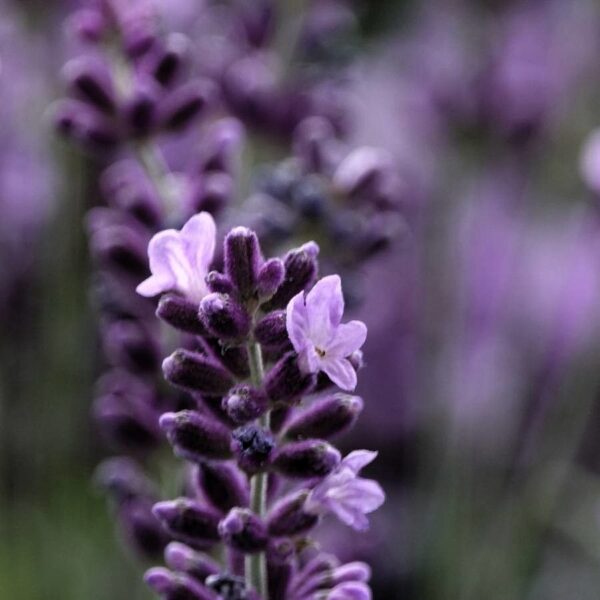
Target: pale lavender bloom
x: 322, y: 342
x: 350, y: 590
x: 345, y: 494
x: 179, y: 260
x: 589, y: 164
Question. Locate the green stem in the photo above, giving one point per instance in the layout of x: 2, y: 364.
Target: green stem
x: 256, y: 564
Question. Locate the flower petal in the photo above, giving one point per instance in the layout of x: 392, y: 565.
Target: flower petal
x: 341, y: 372
x: 350, y: 590
x: 359, y: 459
x: 296, y: 322
x: 325, y: 307
x: 199, y: 235
x: 165, y: 253
x: 349, y: 337
x: 153, y: 286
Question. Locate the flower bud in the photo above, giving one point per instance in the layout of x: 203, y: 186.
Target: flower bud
x: 188, y: 521
x: 353, y: 590
x: 288, y: 517
x: 245, y: 403
x: 242, y: 260
x: 90, y: 81
x: 219, y: 283
x: 223, y: 485
x: 224, y: 317
x: 180, y: 313
x: 196, y: 437
x: 233, y: 358
x: 325, y: 418
x: 285, y: 382
x: 242, y: 530
x: 280, y: 553
x: 271, y: 332
x: 300, y: 272
x: 180, y: 557
x: 311, y: 458
x: 270, y: 277
x: 353, y: 571
x: 252, y: 447
x: 185, y: 104
x: 197, y: 372
x: 176, y: 586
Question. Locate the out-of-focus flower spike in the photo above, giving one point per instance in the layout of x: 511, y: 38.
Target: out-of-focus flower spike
x: 185, y: 104
x: 90, y: 80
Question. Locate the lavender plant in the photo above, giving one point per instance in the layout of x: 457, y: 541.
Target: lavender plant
x: 264, y: 472
x: 262, y: 347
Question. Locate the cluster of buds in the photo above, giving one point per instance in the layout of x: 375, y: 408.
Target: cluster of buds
x: 272, y: 89
x: 352, y: 200
x: 132, y: 84
x: 269, y: 369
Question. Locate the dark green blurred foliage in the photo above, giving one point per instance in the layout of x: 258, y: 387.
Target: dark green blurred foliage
x: 57, y: 539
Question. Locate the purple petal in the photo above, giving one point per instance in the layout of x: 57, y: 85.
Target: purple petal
x: 199, y: 235
x: 325, y: 307
x: 341, y: 372
x: 363, y: 495
x: 349, y: 337
x: 359, y: 459
x: 165, y: 253
x: 352, y: 590
x: 296, y: 322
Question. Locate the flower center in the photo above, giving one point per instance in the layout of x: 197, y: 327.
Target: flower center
x: 320, y: 352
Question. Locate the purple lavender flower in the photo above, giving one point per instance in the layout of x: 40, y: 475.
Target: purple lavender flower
x: 179, y: 260
x: 346, y: 495
x: 322, y: 342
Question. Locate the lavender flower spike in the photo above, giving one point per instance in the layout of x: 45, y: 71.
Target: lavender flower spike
x: 346, y: 495
x: 322, y: 342
x: 179, y: 260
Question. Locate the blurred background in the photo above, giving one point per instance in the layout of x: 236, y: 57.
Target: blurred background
x: 482, y: 375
